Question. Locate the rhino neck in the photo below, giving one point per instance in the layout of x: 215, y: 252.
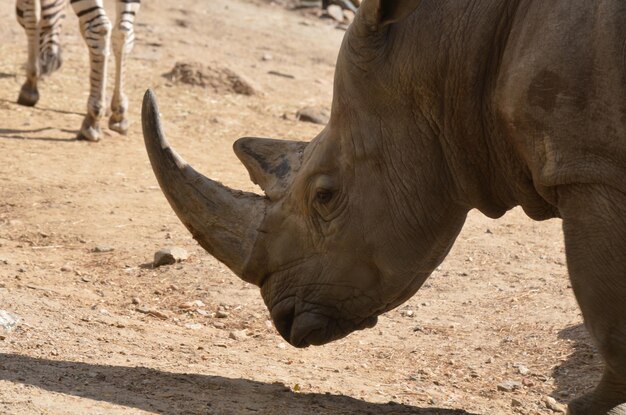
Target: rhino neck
x: 455, y: 88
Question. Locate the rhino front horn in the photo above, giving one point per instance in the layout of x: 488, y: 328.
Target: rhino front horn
x: 222, y: 220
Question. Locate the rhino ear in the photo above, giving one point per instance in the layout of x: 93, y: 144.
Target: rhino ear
x: 379, y: 13
x: 271, y: 163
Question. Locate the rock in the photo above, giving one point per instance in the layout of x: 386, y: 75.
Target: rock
x: 523, y: 370
x: 315, y: 115
x: 553, y: 405
x: 219, y: 325
x: 190, y: 305
x: 509, y: 386
x: 136, y: 300
x: 219, y: 79
x: 169, y: 256
x: 67, y: 268
x: 193, y: 326
x: 221, y: 314
x: 8, y: 321
x: 152, y: 312
x: 267, y: 57
x: 238, y: 335
x: 103, y: 248
x: 336, y: 12
x: 516, y: 403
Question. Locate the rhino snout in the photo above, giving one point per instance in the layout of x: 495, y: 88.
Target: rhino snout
x: 306, y: 328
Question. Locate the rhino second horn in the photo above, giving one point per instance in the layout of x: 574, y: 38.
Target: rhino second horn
x: 222, y: 220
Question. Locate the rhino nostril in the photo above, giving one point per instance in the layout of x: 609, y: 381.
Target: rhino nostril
x: 283, y: 315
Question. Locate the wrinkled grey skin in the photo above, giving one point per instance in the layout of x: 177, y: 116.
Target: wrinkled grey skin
x: 440, y: 106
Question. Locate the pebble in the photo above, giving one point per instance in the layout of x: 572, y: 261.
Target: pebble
x: 8, y: 321
x: 219, y: 325
x: 267, y: 57
x: 238, y: 335
x: 169, y: 256
x: 221, y: 314
x: 509, y: 386
x: 553, y: 405
x: 193, y: 326
x: 153, y: 313
x: 103, y: 248
x: 190, y: 305
x: 516, y: 403
x: 67, y: 268
x: 523, y: 370
x: 314, y: 115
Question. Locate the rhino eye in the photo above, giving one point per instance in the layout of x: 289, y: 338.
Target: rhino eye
x: 323, y: 196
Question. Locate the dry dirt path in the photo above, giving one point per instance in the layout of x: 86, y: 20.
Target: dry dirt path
x: 499, y: 308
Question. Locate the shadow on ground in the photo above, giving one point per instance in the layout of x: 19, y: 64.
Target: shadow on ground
x: 182, y: 393
x: 580, y: 371
x: 16, y: 134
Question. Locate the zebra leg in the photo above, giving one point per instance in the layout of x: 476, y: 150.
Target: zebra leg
x: 52, y: 15
x: 95, y: 28
x: 122, y: 39
x: 28, y: 12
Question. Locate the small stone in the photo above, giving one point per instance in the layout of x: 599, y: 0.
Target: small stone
x: 516, y: 403
x: 238, y: 335
x: 315, y: 115
x: 267, y: 57
x: 8, y: 321
x: 193, y: 326
x: 523, y: 370
x: 221, y: 314
x: 152, y: 312
x: 136, y: 300
x: 103, y: 248
x: 219, y: 325
x: 190, y: 305
x: 67, y: 268
x: 281, y: 345
x: 528, y: 382
x: 169, y: 256
x: 553, y: 405
x: 335, y: 12
x: 509, y: 386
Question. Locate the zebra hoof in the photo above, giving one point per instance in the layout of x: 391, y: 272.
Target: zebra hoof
x: 89, y: 131
x: 28, y: 96
x: 119, y: 126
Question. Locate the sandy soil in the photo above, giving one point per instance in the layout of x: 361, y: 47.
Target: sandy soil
x: 499, y: 308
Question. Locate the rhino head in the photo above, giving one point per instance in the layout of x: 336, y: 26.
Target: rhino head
x: 352, y: 222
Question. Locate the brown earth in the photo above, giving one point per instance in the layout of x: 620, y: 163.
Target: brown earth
x: 500, y: 300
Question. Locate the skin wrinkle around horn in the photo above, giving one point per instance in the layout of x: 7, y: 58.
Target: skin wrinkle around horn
x: 222, y: 220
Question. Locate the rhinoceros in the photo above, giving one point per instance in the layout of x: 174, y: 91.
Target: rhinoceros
x: 439, y: 107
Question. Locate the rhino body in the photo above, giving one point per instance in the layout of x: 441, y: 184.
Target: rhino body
x: 439, y: 107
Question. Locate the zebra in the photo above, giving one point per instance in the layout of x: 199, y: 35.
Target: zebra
x: 42, y: 21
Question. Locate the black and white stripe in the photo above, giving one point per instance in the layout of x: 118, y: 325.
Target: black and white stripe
x: 42, y: 21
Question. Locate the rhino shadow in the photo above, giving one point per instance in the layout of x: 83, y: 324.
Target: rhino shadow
x: 581, y: 370
x: 184, y: 393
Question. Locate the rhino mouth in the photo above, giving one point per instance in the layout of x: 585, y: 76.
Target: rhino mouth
x: 313, y: 327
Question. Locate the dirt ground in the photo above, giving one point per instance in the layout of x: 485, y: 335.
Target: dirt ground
x: 105, y: 333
